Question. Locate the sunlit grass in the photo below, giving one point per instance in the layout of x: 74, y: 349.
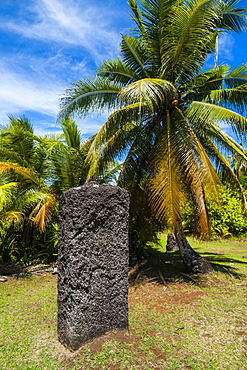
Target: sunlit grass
x: 176, y: 321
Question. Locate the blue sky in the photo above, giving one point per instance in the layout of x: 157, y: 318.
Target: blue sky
x: 47, y: 44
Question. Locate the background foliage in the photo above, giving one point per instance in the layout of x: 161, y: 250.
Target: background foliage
x: 166, y: 114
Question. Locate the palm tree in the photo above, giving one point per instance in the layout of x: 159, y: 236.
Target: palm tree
x: 34, y: 171
x: 27, y: 202
x: 66, y: 155
x: 167, y: 110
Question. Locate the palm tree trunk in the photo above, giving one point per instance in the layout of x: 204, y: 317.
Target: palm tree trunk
x: 193, y: 262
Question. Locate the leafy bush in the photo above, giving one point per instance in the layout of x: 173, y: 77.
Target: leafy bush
x: 226, y: 214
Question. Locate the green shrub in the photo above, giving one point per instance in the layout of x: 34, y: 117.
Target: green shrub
x: 226, y: 214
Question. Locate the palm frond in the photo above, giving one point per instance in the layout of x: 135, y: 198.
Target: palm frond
x: 116, y: 121
x: 203, y: 112
x: 150, y: 92
x: 68, y: 168
x: 111, y: 150
x: 135, y: 55
x: 202, y: 84
x: 232, y: 18
x: 135, y: 169
x: 166, y: 192
x: 235, y: 98
x: 110, y: 174
x: 18, y: 141
x: 117, y: 71
x: 221, y: 139
x: 198, y: 160
x: 237, y: 77
x: 6, y: 192
x: 228, y: 173
x: 218, y: 85
x: 8, y: 154
x: 26, y: 174
x: 191, y: 30
x: 72, y: 133
x: 137, y: 16
x: 152, y: 20
x: 11, y: 216
x: 21, y: 122
x: 88, y: 95
x: 43, y: 210
x: 190, y: 166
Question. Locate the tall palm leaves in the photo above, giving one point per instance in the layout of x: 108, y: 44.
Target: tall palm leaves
x: 34, y: 171
x: 28, y: 202
x: 23, y: 159
x: 28, y: 192
x: 66, y: 157
x: 167, y: 111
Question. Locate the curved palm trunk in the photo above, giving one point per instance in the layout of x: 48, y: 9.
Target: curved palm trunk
x: 193, y: 262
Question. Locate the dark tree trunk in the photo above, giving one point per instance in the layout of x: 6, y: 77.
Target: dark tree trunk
x: 193, y: 262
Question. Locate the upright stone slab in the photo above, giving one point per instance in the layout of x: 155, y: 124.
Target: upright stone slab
x: 92, y: 262
x: 171, y: 245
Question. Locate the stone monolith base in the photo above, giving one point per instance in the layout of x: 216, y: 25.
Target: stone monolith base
x: 92, y: 262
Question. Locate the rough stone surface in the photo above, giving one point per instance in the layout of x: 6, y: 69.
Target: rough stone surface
x: 194, y: 263
x: 92, y: 262
x: 171, y: 245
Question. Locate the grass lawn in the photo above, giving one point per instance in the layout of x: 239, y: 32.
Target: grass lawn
x: 176, y: 321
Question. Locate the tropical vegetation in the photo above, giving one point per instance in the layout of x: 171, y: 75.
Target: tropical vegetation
x: 162, y: 141
x: 227, y: 217
x: 165, y: 114
x: 34, y: 171
x: 26, y: 201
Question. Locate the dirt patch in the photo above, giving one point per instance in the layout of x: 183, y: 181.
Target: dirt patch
x: 242, y: 245
x: 120, y: 336
x: 95, y: 346
x: 151, y: 296
x: 160, y: 297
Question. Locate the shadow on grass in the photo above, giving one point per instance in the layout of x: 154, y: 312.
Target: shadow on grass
x: 160, y: 267
x: 224, y: 264
x: 166, y: 268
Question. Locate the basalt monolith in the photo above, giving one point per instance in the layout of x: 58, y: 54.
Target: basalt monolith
x: 171, y: 245
x: 92, y: 262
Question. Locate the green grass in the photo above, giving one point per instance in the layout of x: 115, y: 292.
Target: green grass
x: 177, y: 321
x: 28, y: 324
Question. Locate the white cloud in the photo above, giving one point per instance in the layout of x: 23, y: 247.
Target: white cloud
x: 20, y: 93
x: 226, y: 46
x: 62, y: 22
x: 90, y: 125
x: 17, y: 93
x: 53, y: 43
x: 43, y: 129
